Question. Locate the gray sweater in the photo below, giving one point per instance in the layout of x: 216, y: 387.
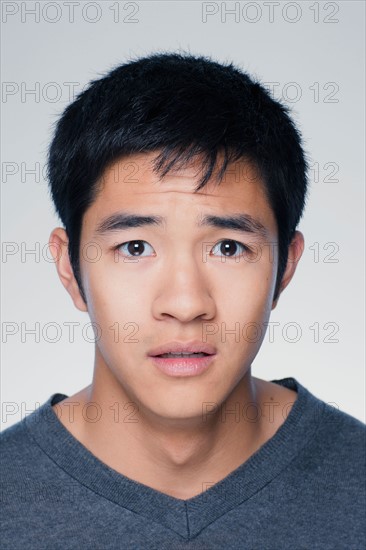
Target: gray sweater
x: 304, y: 489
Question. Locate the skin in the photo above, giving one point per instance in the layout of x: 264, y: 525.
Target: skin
x: 161, y: 439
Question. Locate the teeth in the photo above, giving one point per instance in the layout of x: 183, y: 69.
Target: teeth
x: 166, y: 355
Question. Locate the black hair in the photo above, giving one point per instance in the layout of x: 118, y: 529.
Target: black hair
x: 182, y: 106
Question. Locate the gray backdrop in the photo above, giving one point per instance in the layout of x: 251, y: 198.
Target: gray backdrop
x: 311, y: 54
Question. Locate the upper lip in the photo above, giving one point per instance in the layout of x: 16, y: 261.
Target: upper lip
x: 183, y: 347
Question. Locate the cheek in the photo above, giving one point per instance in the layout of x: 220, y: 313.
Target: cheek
x: 249, y: 287
x: 244, y: 309
x: 118, y: 308
x: 114, y: 295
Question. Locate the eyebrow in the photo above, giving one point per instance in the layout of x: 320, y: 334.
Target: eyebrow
x: 237, y: 222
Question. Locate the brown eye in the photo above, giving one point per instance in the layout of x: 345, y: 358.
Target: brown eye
x: 229, y: 247
x: 133, y: 248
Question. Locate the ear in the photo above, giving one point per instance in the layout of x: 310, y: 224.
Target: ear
x: 58, y: 244
x: 295, y: 251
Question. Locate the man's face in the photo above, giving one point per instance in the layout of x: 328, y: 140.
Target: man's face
x: 185, y: 282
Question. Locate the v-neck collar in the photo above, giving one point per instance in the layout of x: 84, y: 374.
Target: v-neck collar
x: 185, y: 517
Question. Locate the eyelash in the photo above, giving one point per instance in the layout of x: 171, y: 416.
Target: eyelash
x: 244, y: 247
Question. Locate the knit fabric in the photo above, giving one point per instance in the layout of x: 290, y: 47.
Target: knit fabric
x: 304, y: 489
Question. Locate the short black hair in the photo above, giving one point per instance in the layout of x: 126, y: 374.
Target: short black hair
x: 182, y: 106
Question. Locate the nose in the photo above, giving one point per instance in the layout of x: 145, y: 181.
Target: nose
x: 183, y: 291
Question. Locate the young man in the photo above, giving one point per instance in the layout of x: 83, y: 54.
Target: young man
x: 180, y: 183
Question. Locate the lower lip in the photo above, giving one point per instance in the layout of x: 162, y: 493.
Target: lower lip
x: 190, y: 366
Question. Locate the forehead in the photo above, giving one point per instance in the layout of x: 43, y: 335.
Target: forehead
x: 131, y: 183
x: 134, y: 175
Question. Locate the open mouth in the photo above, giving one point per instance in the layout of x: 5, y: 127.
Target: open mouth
x: 188, y: 358
x: 179, y: 355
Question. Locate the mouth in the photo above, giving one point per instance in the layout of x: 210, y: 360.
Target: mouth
x: 175, y: 355
x: 177, y: 359
x: 183, y: 349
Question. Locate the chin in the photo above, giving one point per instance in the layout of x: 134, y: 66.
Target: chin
x: 179, y: 411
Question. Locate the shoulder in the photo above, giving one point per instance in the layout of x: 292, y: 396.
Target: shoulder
x: 13, y: 436
x: 338, y: 451
x: 20, y: 461
x: 17, y: 447
x: 337, y: 440
x: 20, y: 449
x: 344, y: 431
x: 339, y: 433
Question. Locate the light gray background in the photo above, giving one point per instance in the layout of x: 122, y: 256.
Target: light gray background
x: 325, y: 45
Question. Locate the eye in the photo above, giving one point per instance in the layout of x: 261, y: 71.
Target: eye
x: 228, y: 247
x: 133, y: 248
